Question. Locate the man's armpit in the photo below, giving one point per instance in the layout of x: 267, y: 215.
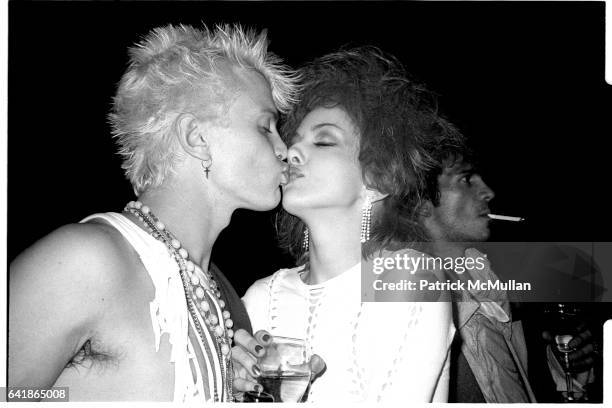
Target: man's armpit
x: 93, y: 355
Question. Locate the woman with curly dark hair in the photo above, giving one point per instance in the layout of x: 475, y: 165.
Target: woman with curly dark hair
x: 353, y: 192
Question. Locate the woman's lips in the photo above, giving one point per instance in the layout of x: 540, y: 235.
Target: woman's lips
x: 294, y: 174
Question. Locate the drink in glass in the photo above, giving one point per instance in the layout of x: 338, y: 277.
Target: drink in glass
x: 285, y: 369
x: 563, y: 321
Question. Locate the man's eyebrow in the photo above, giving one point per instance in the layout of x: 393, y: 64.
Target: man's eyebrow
x: 461, y: 169
x: 464, y: 170
x: 465, y: 167
x: 270, y: 111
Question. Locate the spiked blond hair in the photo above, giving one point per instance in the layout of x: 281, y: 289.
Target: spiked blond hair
x: 166, y: 68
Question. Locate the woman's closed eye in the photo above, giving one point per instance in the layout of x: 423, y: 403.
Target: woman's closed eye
x: 325, y: 140
x: 324, y: 144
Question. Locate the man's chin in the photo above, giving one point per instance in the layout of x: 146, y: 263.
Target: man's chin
x: 469, y: 241
x: 268, y: 205
x: 484, y: 237
x: 481, y: 237
x: 274, y: 203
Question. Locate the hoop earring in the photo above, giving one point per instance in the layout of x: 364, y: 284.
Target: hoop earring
x: 206, y: 164
x: 366, y: 215
x: 305, y: 242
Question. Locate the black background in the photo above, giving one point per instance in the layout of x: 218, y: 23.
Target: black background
x: 524, y: 80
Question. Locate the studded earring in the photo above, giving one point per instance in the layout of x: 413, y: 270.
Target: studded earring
x: 305, y: 242
x: 366, y: 214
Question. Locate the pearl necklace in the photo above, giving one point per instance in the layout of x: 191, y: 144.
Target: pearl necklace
x: 198, y: 285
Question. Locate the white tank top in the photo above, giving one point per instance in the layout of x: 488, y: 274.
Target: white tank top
x: 197, y: 368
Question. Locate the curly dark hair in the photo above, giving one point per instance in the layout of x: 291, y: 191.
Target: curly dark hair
x: 394, y: 115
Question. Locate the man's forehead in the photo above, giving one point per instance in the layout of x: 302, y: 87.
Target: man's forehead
x: 458, y: 166
x: 255, y: 86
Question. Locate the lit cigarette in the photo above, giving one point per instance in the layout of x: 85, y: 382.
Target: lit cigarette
x: 505, y: 218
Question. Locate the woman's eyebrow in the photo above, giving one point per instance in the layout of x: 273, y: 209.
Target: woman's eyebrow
x: 324, y: 124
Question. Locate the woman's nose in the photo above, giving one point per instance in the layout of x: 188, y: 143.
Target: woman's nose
x: 294, y: 156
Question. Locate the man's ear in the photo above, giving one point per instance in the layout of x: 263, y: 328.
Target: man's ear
x: 192, y: 136
x: 425, y: 210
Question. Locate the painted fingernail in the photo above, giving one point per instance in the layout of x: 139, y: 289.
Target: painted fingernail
x: 258, y: 348
x: 265, y: 337
x: 256, y: 370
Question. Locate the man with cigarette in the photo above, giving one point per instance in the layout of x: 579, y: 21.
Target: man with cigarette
x: 489, y: 356
x: 455, y: 215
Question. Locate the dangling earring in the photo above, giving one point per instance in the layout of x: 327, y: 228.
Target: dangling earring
x: 305, y: 242
x: 366, y: 213
x: 206, y: 165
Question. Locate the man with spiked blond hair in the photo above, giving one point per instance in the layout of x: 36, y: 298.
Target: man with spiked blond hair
x: 124, y: 306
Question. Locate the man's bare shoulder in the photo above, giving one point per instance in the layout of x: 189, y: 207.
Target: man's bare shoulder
x: 60, y: 290
x: 91, y: 255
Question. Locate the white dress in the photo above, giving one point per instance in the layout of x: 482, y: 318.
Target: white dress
x: 374, y: 352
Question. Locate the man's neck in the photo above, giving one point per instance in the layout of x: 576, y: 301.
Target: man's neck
x: 448, y: 249
x: 195, y: 222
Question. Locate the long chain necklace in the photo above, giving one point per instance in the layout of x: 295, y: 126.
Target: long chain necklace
x: 201, y: 293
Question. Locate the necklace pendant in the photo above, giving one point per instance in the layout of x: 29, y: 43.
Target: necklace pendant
x: 225, y: 349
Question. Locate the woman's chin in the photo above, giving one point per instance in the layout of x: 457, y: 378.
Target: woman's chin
x: 293, y: 204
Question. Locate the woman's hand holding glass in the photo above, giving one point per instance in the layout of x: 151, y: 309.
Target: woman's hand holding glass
x: 277, y: 359
x: 245, y: 352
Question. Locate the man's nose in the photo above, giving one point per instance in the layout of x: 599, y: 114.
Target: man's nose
x: 487, y: 193
x: 483, y: 190
x: 280, y: 148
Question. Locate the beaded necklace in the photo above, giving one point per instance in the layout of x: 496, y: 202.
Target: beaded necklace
x: 201, y: 293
